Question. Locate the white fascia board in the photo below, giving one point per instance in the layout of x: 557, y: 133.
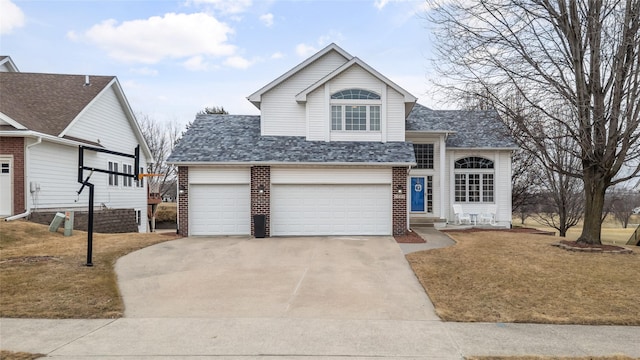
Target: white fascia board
x: 408, y: 98
x: 256, y: 97
x: 483, y: 148
x: 4, y: 117
x: 9, y: 63
x: 46, y: 137
x: 431, y: 132
x: 285, y: 163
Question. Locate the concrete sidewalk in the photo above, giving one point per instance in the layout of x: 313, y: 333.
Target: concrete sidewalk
x: 161, y: 338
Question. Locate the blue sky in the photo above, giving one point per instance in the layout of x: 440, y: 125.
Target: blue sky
x: 173, y: 58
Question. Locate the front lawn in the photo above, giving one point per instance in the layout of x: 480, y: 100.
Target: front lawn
x: 515, y: 277
x: 42, y: 274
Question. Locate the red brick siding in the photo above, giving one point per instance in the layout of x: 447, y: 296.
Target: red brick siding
x: 261, y: 203
x: 183, y: 201
x: 399, y: 200
x: 15, y: 146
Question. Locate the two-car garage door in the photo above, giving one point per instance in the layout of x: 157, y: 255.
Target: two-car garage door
x: 335, y: 209
x: 319, y: 201
x: 302, y: 202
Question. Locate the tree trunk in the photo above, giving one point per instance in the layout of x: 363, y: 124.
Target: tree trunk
x: 594, y: 189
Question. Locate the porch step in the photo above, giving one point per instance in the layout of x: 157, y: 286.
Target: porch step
x: 425, y: 221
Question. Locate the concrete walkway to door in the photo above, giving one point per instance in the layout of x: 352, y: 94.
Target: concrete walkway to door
x: 290, y: 277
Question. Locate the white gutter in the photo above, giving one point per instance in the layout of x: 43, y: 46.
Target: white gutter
x: 285, y: 163
x: 26, y: 181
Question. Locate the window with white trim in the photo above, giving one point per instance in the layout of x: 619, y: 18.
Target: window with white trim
x: 474, y: 180
x: 126, y: 180
x: 355, y: 110
x: 424, y: 155
x: 113, y: 178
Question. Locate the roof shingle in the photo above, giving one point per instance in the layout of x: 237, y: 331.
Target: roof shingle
x: 236, y: 138
x: 47, y: 103
x: 468, y: 128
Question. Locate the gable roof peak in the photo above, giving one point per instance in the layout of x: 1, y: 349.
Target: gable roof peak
x: 256, y: 97
x: 7, y: 62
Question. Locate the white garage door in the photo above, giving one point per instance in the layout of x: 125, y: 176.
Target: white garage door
x: 331, y: 210
x: 219, y: 209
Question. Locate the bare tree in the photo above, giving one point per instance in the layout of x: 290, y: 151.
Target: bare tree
x: 622, y: 202
x: 562, y: 195
x: 571, y: 64
x: 525, y: 183
x: 161, y: 138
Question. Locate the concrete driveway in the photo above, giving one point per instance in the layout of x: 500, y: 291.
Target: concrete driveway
x: 292, y: 277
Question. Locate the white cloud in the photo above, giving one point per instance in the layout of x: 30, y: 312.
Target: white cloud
x: 238, y: 62
x: 277, y: 55
x: 156, y: 38
x: 146, y: 71
x: 305, y: 50
x: 196, y: 63
x: 12, y: 16
x: 267, y: 19
x: 225, y: 7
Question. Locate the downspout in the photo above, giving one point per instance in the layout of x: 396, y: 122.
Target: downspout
x: 444, y: 212
x: 408, y: 198
x: 26, y: 182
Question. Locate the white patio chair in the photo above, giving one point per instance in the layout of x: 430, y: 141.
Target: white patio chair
x: 488, y: 217
x: 460, y: 215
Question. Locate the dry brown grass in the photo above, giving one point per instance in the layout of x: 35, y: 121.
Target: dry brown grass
x: 42, y: 274
x: 612, y: 231
x: 508, y: 277
x: 10, y: 355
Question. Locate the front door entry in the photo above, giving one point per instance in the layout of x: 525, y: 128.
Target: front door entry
x: 417, y: 194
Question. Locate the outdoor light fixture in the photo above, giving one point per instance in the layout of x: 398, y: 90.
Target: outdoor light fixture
x: 182, y: 189
x: 399, y: 189
x: 261, y: 189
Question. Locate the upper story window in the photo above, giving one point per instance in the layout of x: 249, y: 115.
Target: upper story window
x: 474, y: 180
x: 424, y: 155
x: 355, y: 110
x: 358, y: 94
x: 474, y: 162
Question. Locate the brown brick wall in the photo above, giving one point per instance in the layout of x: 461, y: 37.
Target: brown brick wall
x: 261, y: 203
x: 108, y: 221
x: 183, y: 201
x: 15, y: 146
x: 399, y: 200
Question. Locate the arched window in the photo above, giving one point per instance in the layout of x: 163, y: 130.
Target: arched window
x: 474, y: 180
x: 356, y: 94
x: 355, y: 110
x: 474, y: 162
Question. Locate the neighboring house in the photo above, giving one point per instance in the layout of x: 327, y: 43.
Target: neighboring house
x: 339, y: 149
x: 43, y: 120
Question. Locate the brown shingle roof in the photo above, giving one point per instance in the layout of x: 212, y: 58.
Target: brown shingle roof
x: 47, y: 103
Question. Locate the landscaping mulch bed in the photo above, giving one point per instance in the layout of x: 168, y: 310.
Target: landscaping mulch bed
x: 605, y: 249
x: 409, y: 237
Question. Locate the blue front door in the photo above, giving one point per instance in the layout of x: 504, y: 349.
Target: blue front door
x: 417, y: 194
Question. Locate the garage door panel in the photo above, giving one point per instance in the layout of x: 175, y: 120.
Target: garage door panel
x: 219, y: 209
x: 331, y: 209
